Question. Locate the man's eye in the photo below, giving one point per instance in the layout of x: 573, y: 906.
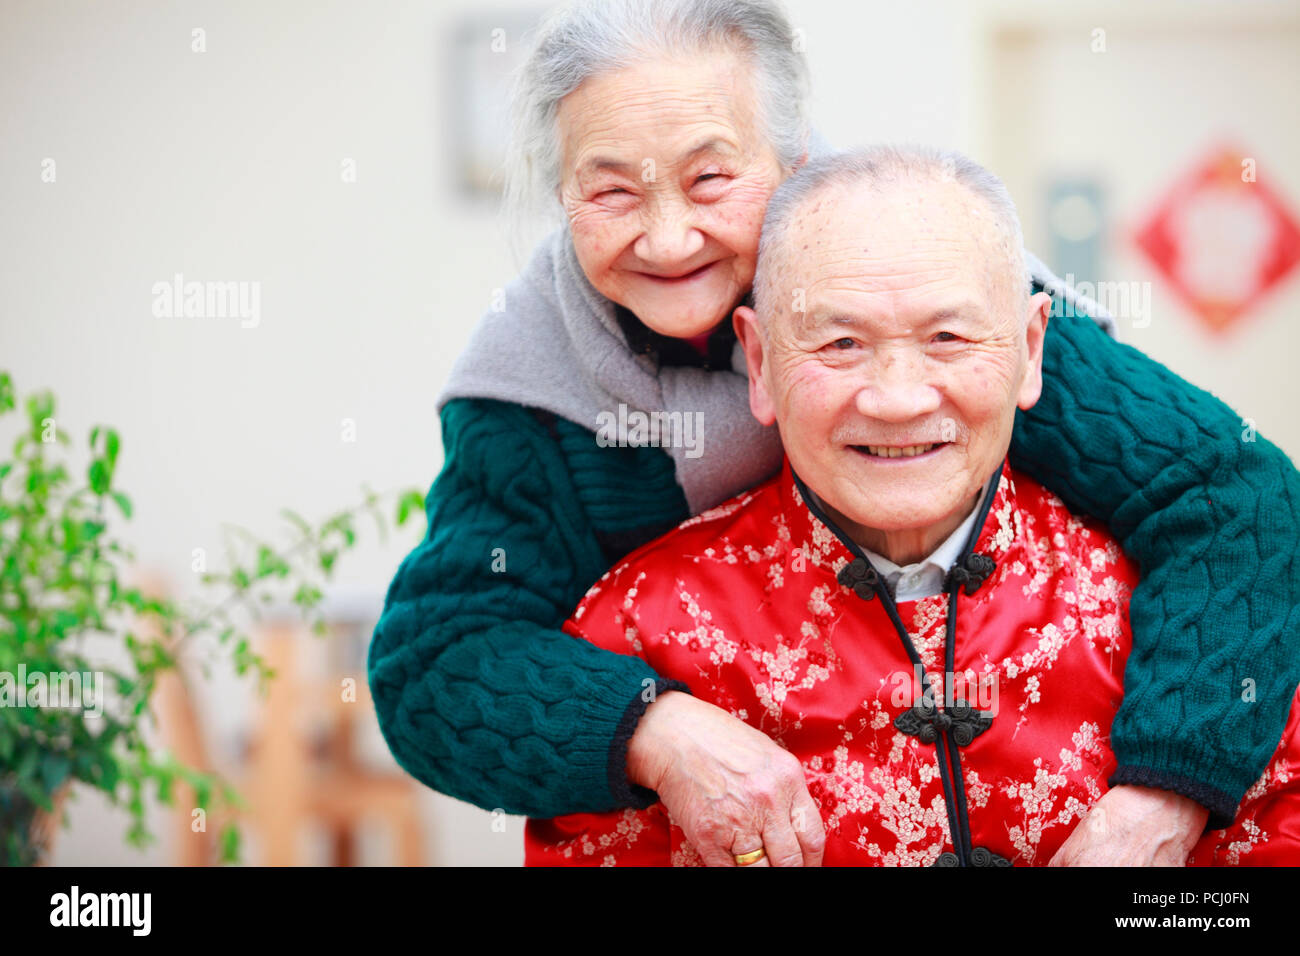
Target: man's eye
x: 945, y: 337
x: 612, y: 192
x: 843, y: 344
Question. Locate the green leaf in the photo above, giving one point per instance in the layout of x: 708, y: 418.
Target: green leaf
x: 123, y: 502
x: 307, y: 596
x: 35, y: 794
x: 99, y: 476
x: 109, y: 774
x: 27, y: 763
x: 165, y: 781
x: 229, y: 844
x: 298, y: 521
x: 410, y: 500
x: 39, y: 407
x: 111, y: 447
x: 54, y: 770
x: 268, y: 562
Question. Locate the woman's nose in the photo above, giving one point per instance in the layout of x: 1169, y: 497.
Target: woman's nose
x: 669, y: 237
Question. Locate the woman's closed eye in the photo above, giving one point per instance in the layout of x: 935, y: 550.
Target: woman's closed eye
x: 710, y: 185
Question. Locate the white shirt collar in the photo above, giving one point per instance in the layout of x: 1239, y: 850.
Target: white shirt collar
x: 925, y: 578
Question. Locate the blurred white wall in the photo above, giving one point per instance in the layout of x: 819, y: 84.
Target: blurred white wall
x: 1164, y: 95
x: 225, y: 165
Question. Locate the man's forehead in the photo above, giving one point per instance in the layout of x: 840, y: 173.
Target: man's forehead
x: 848, y: 213
x: 896, y: 242
x: 896, y: 267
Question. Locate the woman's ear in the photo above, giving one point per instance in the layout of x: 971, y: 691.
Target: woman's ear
x: 750, y: 336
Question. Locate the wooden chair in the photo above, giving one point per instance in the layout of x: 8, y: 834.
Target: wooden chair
x: 288, y: 780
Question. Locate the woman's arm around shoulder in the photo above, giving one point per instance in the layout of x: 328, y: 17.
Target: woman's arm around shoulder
x: 478, y: 692
x: 1211, y: 512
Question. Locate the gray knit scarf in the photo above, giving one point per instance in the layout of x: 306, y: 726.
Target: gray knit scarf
x: 557, y: 345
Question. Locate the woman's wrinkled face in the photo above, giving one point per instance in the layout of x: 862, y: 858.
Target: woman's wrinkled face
x: 666, y: 174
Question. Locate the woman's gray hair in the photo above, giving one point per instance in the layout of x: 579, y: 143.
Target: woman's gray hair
x: 876, y: 167
x: 587, y: 38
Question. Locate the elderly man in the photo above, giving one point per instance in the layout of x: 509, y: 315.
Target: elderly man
x: 934, y: 637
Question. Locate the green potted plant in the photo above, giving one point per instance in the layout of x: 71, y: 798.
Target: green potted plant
x: 66, y: 713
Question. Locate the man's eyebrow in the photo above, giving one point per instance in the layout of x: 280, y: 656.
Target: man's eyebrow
x: 948, y: 315
x: 599, y: 163
x: 816, y: 320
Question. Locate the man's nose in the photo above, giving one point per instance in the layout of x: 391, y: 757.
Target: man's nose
x: 669, y: 237
x: 898, y: 390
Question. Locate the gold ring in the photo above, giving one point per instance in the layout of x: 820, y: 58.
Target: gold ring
x: 753, y: 856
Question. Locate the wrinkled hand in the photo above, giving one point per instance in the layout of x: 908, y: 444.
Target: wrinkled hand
x: 1135, y: 826
x: 728, y: 786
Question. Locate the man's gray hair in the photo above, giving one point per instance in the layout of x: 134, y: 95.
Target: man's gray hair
x: 879, y: 167
x: 587, y: 38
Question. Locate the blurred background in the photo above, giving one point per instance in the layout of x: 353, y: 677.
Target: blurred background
x: 344, y: 156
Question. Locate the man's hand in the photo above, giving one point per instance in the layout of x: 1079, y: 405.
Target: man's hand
x: 727, y: 785
x: 1135, y: 826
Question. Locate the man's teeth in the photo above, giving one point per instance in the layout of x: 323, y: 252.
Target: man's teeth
x: 884, y: 451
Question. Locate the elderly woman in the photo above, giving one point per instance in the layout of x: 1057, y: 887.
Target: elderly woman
x: 954, y: 716
x: 662, y: 127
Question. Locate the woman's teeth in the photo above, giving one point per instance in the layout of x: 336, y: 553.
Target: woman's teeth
x: 908, y: 451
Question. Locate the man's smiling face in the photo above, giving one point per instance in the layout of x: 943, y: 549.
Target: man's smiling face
x: 896, y: 388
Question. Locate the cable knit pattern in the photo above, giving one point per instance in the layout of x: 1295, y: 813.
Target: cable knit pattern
x: 482, y: 697
x: 1214, y: 522
x: 479, y: 694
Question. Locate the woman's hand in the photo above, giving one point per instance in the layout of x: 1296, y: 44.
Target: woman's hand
x: 1135, y: 826
x: 728, y: 786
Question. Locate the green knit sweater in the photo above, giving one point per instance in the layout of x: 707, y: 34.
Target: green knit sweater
x: 481, y: 696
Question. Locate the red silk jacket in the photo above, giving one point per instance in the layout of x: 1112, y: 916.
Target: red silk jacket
x: 756, y: 605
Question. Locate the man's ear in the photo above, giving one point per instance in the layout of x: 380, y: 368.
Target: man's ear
x: 750, y: 337
x: 1039, y: 308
